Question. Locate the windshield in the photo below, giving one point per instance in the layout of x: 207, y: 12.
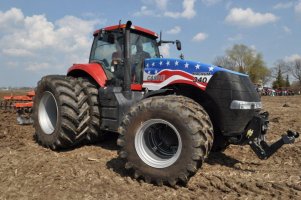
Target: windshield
x: 104, y: 48
x: 110, y: 45
x: 143, y: 43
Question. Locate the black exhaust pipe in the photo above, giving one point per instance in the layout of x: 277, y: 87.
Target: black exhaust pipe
x: 127, y: 58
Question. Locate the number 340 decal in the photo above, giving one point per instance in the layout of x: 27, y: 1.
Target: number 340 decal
x: 200, y: 79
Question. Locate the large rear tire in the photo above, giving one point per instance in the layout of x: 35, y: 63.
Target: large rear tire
x: 58, y: 104
x: 165, y: 139
x: 94, y: 133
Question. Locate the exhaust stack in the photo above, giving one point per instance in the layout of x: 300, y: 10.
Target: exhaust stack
x: 127, y: 61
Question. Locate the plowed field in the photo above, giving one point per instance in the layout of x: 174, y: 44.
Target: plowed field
x: 29, y: 171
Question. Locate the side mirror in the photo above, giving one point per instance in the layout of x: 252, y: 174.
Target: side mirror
x: 178, y: 44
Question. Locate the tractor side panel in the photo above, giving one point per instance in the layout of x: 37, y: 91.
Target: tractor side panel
x: 95, y: 70
x: 161, y: 72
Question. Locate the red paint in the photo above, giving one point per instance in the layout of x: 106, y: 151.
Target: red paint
x: 136, y: 87
x: 18, y: 98
x: 95, y: 70
x: 167, y: 74
x: 188, y: 83
x: 122, y: 26
x: 23, y: 105
x: 31, y: 93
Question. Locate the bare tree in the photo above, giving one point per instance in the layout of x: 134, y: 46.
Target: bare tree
x: 280, y: 65
x: 296, y: 69
x: 224, y: 61
x: 242, y: 56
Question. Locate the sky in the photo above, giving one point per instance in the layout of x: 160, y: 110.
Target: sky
x: 39, y: 37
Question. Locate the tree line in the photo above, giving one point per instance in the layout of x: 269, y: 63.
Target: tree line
x: 247, y: 60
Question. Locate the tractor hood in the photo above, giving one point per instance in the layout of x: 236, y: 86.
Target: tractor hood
x: 156, y: 65
x: 159, y: 72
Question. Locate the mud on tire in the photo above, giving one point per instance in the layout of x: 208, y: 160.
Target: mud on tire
x: 165, y: 139
x: 59, y: 105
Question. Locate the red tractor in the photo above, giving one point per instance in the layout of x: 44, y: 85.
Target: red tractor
x: 170, y: 113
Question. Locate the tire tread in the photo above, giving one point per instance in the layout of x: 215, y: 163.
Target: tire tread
x: 202, y: 133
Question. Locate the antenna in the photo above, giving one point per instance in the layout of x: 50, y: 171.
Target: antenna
x: 160, y: 41
x: 119, y: 26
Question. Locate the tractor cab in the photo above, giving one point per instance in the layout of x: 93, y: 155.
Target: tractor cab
x: 108, y: 50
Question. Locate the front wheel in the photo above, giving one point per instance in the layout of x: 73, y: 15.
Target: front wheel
x: 165, y: 139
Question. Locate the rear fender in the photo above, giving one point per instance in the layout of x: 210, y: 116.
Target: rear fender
x: 94, y: 70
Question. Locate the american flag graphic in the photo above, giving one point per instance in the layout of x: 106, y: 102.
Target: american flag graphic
x: 160, y: 72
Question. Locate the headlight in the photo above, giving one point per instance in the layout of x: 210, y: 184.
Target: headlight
x: 245, y: 105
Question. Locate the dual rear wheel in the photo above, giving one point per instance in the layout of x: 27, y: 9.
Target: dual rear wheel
x: 66, y: 112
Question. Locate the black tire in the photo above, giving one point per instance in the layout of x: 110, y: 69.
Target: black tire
x: 94, y: 132
x: 182, y: 116
x: 58, y: 104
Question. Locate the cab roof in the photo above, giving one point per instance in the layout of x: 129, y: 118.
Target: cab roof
x: 122, y: 26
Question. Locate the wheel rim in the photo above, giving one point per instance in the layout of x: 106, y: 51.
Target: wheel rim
x: 48, y: 113
x: 158, y: 143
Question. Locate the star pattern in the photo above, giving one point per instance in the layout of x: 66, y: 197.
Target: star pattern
x: 186, y: 65
x: 154, y: 66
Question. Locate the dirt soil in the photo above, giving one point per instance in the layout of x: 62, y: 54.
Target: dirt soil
x: 29, y: 171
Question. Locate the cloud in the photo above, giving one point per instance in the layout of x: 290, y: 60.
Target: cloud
x: 200, y: 37
x: 287, y: 29
x: 153, y: 8
x: 36, y: 44
x: 161, y: 4
x: 235, y: 37
x: 298, y: 8
x: 165, y: 50
x: 174, y: 30
x: 11, y: 20
x: 249, y: 18
x: 210, y: 2
x: 283, y: 5
x: 292, y: 57
x: 16, y: 52
x: 145, y: 11
x: 228, y: 5
x: 188, y: 10
x: 38, y: 66
x: 159, y: 8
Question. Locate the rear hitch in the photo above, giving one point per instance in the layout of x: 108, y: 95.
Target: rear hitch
x: 263, y: 150
x: 255, y: 137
